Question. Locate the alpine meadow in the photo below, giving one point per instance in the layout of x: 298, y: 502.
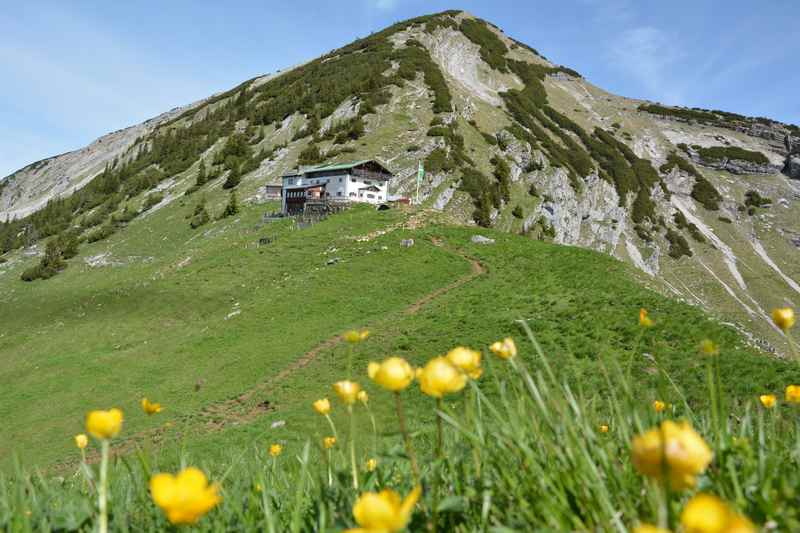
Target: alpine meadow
x: 428, y: 281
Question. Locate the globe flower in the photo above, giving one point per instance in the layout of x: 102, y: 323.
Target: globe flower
x: 468, y: 361
x: 372, y: 464
x: 322, y: 406
x: 784, y: 318
x: 81, y: 441
x: 644, y: 320
x: 362, y: 397
x: 793, y: 394
x: 394, y: 373
x: 440, y: 377
x: 504, y: 349
x: 184, y: 498
x: 768, y: 400
x: 329, y: 442
x: 104, y: 424
x: 347, y: 391
x: 708, y: 347
x: 706, y: 513
x: 275, y: 450
x: 149, y: 407
x: 383, y: 512
x: 674, y: 445
x: 354, y: 336
x: 659, y: 406
x: 603, y: 428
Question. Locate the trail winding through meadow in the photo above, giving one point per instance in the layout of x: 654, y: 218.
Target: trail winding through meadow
x: 222, y: 414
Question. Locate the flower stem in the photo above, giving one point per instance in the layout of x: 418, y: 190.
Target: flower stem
x: 713, y: 396
x: 374, y: 432
x: 353, y: 446
x: 349, y: 361
x: 333, y: 428
x: 102, y: 492
x: 439, y: 457
x: 406, y: 438
x: 439, y: 430
x: 330, y: 474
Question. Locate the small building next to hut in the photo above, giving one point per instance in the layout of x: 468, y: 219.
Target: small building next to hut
x: 327, y: 185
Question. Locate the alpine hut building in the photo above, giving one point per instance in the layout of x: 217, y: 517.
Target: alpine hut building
x: 334, y: 185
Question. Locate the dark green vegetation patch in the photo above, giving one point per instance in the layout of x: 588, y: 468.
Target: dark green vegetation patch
x: 702, y: 191
x: 719, y: 153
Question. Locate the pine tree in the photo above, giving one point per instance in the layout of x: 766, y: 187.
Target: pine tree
x: 200, y: 215
x: 234, y: 178
x: 233, y: 206
x: 202, y: 179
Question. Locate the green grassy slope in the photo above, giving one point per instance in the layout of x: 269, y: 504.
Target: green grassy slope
x: 155, y: 325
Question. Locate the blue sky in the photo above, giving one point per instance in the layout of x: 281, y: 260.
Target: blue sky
x: 72, y: 71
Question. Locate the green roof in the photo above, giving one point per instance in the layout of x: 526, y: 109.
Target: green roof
x: 336, y: 166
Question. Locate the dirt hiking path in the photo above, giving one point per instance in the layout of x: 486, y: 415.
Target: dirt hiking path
x: 241, y: 410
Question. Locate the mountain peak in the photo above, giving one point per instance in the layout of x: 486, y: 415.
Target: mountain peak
x: 507, y: 138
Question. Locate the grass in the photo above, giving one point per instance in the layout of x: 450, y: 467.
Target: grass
x: 522, y: 450
x: 196, y: 320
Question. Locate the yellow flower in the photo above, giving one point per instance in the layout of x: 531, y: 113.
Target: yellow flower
x: 440, y: 377
x: 685, y: 452
x: 322, y: 406
x: 383, y: 512
x: 603, y: 428
x: 708, y: 347
x: 706, y: 513
x: 644, y: 320
x: 469, y: 361
x: 504, y: 349
x: 185, y: 498
x: 659, y: 406
x: 149, y: 407
x: 768, y: 400
x: 784, y: 318
x: 104, y: 424
x: 793, y: 394
x: 394, y: 373
x: 81, y: 441
x: 372, y: 464
x: 258, y: 487
x: 329, y: 442
x: 354, y: 336
x: 647, y: 528
x: 347, y: 391
x: 363, y: 397
x: 275, y: 450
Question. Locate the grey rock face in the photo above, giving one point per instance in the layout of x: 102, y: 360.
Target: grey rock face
x: 444, y: 198
x: 792, y: 144
x: 792, y: 167
x: 480, y: 239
